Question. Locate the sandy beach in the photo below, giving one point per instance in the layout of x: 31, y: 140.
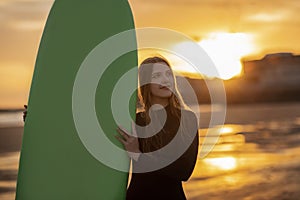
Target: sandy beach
x: 257, y: 156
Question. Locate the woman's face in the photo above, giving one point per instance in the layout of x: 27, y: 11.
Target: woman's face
x: 162, y: 81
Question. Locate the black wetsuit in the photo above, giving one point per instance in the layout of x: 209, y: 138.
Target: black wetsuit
x: 166, y: 183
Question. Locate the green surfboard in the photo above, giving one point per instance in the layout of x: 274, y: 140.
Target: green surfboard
x: 54, y: 162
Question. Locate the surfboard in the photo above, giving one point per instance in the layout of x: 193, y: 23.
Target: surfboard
x: 54, y: 162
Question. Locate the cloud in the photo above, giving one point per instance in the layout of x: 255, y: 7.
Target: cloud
x: 268, y: 17
x: 198, y: 17
x: 28, y: 25
x: 23, y: 9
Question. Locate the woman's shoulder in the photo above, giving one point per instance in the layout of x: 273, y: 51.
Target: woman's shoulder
x: 188, y: 112
x: 189, y: 116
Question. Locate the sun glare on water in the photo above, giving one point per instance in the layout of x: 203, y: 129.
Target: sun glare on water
x: 225, y: 163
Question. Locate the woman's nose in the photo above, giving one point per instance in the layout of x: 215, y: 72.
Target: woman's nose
x: 165, y: 79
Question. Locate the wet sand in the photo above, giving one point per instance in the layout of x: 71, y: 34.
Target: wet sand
x: 257, y: 157
x: 266, y: 166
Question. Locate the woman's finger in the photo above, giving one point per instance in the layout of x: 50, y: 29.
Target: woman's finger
x: 124, y: 131
x: 126, y: 137
x: 121, y: 140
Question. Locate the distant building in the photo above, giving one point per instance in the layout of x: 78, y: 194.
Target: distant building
x: 274, y: 71
x: 276, y: 77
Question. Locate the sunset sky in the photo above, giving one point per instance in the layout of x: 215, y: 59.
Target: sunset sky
x: 228, y: 30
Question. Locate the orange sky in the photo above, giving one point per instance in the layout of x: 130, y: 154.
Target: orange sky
x: 268, y: 26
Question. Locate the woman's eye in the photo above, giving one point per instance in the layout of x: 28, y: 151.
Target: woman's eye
x: 155, y: 75
x: 168, y: 73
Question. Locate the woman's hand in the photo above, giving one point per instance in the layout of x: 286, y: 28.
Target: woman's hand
x: 131, y: 143
x: 25, y: 113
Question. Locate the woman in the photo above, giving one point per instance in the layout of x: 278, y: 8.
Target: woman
x: 160, y: 175
x: 171, y: 167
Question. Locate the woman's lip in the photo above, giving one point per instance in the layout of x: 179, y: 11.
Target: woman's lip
x: 164, y: 88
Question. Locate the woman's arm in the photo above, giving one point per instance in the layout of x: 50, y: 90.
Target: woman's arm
x: 25, y: 113
x: 130, y: 143
x: 182, y: 168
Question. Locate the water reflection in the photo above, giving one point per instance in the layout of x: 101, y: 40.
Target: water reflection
x: 251, y: 161
x: 225, y: 163
x: 227, y: 129
x: 225, y: 138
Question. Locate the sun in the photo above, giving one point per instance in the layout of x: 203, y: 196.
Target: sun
x: 224, y: 49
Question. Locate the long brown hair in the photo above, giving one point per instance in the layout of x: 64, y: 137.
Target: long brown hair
x: 175, y: 101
